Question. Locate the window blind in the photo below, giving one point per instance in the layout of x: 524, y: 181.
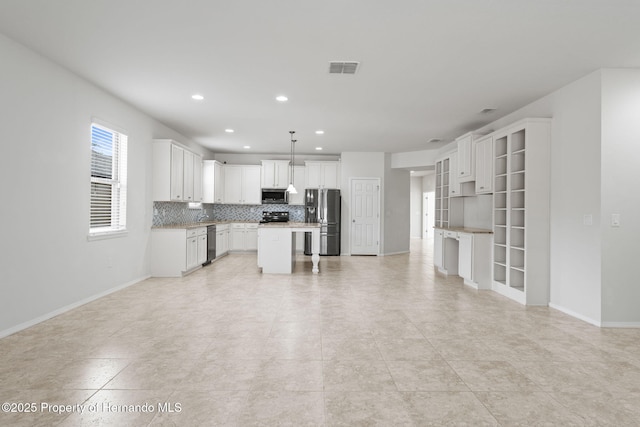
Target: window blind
x: 108, y: 180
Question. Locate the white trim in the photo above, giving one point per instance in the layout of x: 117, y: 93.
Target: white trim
x: 621, y: 324
x: 66, y: 308
x: 107, y: 235
x: 394, y: 253
x: 575, y: 314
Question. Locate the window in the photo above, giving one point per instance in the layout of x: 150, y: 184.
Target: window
x: 108, y: 181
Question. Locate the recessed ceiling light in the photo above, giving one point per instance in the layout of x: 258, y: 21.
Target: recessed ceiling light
x: 229, y: 130
x: 487, y: 111
x: 319, y: 132
x: 319, y: 148
x: 246, y: 147
x: 197, y: 97
x: 281, y: 98
x: 434, y: 140
x: 412, y: 171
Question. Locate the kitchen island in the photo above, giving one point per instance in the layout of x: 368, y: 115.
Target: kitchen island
x: 277, y: 246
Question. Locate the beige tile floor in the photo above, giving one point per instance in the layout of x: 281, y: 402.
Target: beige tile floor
x: 369, y: 341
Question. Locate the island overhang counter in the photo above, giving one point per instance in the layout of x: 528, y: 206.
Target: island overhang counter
x: 277, y: 246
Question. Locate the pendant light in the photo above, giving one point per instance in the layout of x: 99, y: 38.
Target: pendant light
x: 291, y: 189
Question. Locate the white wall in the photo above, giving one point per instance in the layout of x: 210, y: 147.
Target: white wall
x: 256, y: 159
x: 620, y: 177
x: 415, y: 220
x: 47, y: 263
x: 575, y: 272
x: 396, y: 209
x: 357, y: 165
x: 429, y: 182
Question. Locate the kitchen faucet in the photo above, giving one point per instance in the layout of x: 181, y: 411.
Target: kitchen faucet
x: 202, y: 215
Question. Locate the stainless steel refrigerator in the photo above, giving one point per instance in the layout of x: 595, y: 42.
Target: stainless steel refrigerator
x: 323, y: 206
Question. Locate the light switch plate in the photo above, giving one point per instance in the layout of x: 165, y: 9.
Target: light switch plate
x: 587, y: 219
x: 615, y: 220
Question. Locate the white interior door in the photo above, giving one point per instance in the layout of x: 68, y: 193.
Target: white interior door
x: 428, y: 213
x: 365, y: 216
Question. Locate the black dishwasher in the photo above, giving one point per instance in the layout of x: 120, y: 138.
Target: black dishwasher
x: 211, y: 244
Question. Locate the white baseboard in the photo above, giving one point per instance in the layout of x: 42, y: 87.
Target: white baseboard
x: 66, y: 308
x: 395, y: 253
x: 576, y: 315
x: 621, y: 324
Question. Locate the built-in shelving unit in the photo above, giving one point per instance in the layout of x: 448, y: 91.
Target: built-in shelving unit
x: 442, y: 193
x: 521, y: 212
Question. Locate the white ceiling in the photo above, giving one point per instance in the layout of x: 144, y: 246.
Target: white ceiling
x: 428, y: 67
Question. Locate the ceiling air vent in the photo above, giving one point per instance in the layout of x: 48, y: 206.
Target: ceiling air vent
x: 343, y: 67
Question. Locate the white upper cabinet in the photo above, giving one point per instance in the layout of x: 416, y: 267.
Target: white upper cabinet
x: 299, y: 184
x: 275, y: 173
x: 455, y: 189
x: 177, y: 173
x: 466, y: 163
x: 322, y: 174
x: 188, y: 177
x: 242, y: 184
x: 484, y: 165
x: 213, y: 182
x: 197, y: 178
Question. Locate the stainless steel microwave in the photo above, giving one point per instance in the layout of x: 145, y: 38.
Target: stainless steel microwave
x: 274, y: 196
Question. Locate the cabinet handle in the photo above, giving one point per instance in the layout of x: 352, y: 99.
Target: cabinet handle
x: 482, y: 188
x: 461, y: 173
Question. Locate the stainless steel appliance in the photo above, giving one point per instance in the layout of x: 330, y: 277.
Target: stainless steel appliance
x: 323, y: 206
x: 274, y: 217
x: 211, y: 244
x: 275, y: 196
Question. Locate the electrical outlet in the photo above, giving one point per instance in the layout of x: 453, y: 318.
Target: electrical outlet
x: 615, y: 220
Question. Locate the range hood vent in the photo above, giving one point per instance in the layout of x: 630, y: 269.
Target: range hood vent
x: 343, y: 67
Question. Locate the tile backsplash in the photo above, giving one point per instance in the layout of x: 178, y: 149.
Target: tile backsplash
x: 167, y: 213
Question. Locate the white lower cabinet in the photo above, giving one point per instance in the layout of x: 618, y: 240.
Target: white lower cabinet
x: 465, y: 253
x: 222, y: 240
x: 244, y: 237
x: 177, y: 251
x: 474, y: 259
x: 438, y: 260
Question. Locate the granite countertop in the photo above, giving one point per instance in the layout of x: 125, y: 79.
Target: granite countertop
x: 466, y: 230
x: 290, y: 225
x: 190, y: 225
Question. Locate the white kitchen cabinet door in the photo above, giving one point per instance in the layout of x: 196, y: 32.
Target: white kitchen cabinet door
x: 455, y: 189
x: 251, y: 191
x: 299, y: 183
x: 177, y: 173
x: 202, y: 249
x: 192, y: 252
x: 438, y: 249
x: 465, y: 256
x: 275, y: 173
x: 232, y: 184
x: 237, y: 237
x: 218, y: 183
x: 331, y: 174
x: 197, y: 178
x: 484, y: 165
x: 322, y: 174
x: 188, y: 183
x: 251, y: 238
x: 225, y: 241
x: 313, y: 173
x: 466, y: 159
